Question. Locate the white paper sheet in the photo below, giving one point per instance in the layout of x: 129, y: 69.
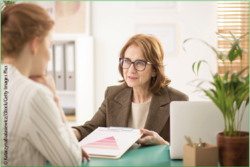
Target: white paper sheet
x: 107, y: 142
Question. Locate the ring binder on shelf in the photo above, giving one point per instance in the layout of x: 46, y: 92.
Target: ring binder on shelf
x: 59, y: 66
x: 70, y: 66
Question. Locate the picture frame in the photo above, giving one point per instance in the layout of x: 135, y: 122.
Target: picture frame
x: 156, y: 6
x: 167, y: 33
x: 71, y: 17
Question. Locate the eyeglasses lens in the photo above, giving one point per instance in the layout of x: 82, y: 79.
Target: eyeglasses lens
x: 139, y: 65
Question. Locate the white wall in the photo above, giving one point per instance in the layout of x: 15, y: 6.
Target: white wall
x: 113, y: 23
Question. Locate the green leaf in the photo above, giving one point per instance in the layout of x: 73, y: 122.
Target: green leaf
x: 233, y: 54
x: 239, y: 73
x: 199, y: 84
x: 226, y: 75
x: 215, y: 76
x: 214, y: 99
x: 225, y: 38
x: 240, y: 53
x: 193, y: 67
x: 217, y: 81
x: 247, y: 101
x: 240, y: 91
x: 236, y: 49
x: 243, y: 36
x: 233, y: 77
x: 234, y: 37
x: 197, y: 90
x: 184, y: 43
x: 198, y: 66
x: 199, y: 63
x: 215, y: 51
x: 226, y: 85
x: 241, y: 86
x: 241, y: 98
x: 214, y: 92
x: 224, y: 56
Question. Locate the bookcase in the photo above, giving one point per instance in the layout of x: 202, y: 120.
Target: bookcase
x: 82, y: 99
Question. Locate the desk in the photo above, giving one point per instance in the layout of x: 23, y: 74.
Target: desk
x: 139, y: 156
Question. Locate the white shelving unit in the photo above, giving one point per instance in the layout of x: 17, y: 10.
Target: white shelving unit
x: 82, y: 99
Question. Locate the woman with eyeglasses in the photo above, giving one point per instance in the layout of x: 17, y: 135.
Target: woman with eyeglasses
x: 142, y: 101
x: 34, y: 127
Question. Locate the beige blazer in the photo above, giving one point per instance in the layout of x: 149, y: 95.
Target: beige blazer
x: 116, y: 108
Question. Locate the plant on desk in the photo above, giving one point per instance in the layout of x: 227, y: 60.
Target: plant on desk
x: 229, y: 93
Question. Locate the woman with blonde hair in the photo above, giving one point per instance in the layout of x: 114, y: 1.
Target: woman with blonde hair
x: 34, y: 125
x: 142, y: 101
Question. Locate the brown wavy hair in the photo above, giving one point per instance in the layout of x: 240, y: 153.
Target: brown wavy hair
x: 152, y: 52
x: 20, y: 23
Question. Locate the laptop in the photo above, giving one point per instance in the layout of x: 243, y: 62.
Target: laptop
x: 196, y: 119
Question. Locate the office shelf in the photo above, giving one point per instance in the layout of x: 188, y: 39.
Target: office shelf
x: 82, y: 99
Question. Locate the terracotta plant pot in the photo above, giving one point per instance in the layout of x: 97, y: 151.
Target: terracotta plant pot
x: 233, y: 151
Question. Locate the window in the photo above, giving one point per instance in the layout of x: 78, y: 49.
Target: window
x: 233, y: 16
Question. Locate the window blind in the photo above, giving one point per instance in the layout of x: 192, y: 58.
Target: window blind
x: 233, y: 16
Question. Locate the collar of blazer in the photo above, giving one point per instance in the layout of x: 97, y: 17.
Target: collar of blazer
x: 120, y: 109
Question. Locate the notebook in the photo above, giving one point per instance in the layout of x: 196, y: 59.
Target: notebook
x: 110, y: 142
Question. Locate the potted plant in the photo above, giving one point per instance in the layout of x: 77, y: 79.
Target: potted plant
x: 230, y: 93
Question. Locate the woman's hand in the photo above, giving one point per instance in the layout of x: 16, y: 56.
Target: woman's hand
x: 151, y: 138
x: 48, y: 81
x: 77, y: 134
x: 85, y: 155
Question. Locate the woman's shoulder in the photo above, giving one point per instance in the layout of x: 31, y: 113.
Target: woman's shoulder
x: 116, y: 88
x: 19, y: 84
x: 112, y: 91
x: 175, y: 95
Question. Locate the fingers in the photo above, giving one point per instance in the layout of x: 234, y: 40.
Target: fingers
x: 38, y: 76
x: 39, y: 79
x: 147, y: 137
x: 85, y: 154
x: 145, y: 140
x: 151, y: 138
x: 147, y: 132
x: 46, y: 80
x: 35, y: 78
x: 77, y: 134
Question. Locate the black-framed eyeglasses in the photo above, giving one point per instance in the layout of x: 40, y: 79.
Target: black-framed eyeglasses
x: 139, y: 65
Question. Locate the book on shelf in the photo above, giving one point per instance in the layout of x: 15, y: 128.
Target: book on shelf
x: 70, y: 113
x: 71, y: 118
